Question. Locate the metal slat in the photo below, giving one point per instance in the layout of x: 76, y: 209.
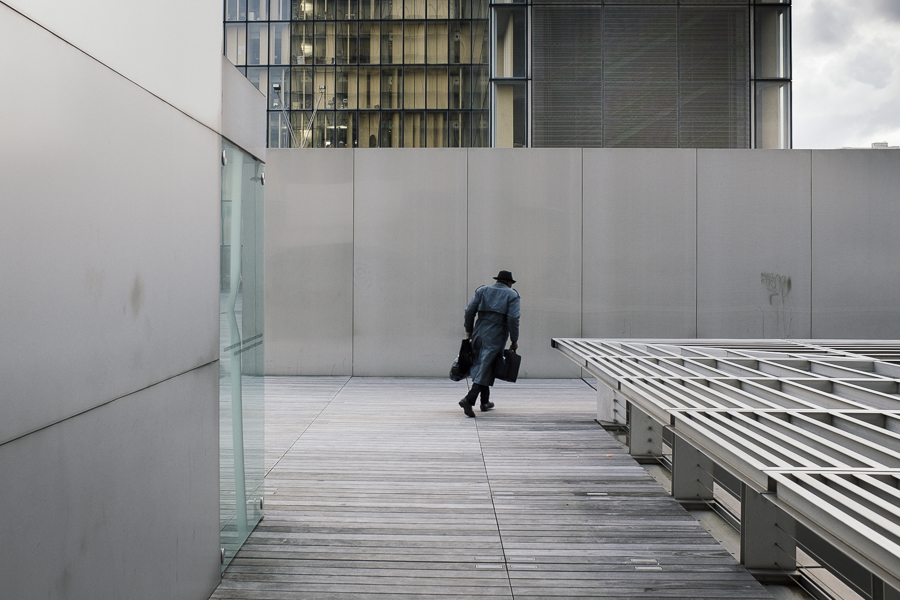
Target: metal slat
x: 818, y: 424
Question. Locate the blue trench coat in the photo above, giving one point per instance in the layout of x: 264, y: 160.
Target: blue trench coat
x: 497, y: 308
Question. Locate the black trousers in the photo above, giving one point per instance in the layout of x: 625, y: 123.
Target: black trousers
x: 477, y: 388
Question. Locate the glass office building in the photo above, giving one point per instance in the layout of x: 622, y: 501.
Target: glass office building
x: 536, y: 73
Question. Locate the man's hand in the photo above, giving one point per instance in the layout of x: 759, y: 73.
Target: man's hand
x: 513, y: 346
x: 468, y: 335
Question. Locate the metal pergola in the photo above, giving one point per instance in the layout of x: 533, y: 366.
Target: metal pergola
x: 803, y: 435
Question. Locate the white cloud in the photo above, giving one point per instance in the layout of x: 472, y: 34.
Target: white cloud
x: 846, y: 72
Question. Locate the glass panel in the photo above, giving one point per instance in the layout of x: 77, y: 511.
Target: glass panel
x: 511, y: 50
x: 369, y: 95
x: 241, y: 359
x: 279, y: 134
x: 302, y: 43
x: 280, y: 10
x: 438, y: 9
x: 437, y: 95
x: 391, y: 9
x: 390, y: 130
x: 257, y: 43
x: 414, y: 42
x: 480, y: 42
x: 302, y: 89
x: 479, y: 9
x: 281, y: 76
x: 414, y: 87
x: 436, y: 130
x: 773, y: 116
x: 345, y: 43
x: 480, y: 87
x: 437, y: 43
x: 368, y: 129
x: 391, y: 43
x: 323, y: 45
x: 458, y: 9
x: 369, y: 9
x: 414, y: 9
x: 391, y: 87
x: 460, y: 87
x: 236, y: 43
x: 480, y: 129
x: 460, y: 35
x: 323, y: 9
x: 343, y: 130
x: 347, y: 10
x: 345, y: 88
x: 316, y: 133
x: 509, y: 115
x: 460, y: 134
x: 259, y: 76
x: 300, y: 123
x: 324, y: 76
x: 280, y: 43
x: 235, y: 10
x: 772, y: 42
x: 370, y: 42
x: 414, y: 130
x: 256, y: 10
x: 302, y: 10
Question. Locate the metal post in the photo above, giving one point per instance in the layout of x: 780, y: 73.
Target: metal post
x: 644, y: 435
x: 692, y: 474
x: 768, y: 544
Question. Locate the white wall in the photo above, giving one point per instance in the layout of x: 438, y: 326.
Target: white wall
x: 639, y: 212
x: 109, y: 187
x: 525, y: 217
x: 604, y: 243
x: 309, y: 263
x: 855, y: 244
x: 409, y: 259
x: 171, y: 48
x: 753, y: 223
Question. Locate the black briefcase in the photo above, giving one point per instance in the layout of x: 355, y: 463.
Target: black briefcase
x: 463, y: 363
x: 507, y: 366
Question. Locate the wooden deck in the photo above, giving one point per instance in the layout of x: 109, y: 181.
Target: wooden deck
x: 382, y: 488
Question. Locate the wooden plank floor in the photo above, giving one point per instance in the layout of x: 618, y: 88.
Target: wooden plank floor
x: 382, y: 488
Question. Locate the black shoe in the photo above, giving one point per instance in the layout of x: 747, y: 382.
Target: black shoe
x: 467, y: 408
x: 486, y: 406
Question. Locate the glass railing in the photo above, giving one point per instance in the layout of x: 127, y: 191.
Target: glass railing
x: 241, y: 358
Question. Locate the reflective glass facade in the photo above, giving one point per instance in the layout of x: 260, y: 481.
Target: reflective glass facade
x: 518, y: 73
x: 366, y: 73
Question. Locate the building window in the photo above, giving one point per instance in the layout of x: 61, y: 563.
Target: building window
x: 366, y: 73
x: 772, y: 75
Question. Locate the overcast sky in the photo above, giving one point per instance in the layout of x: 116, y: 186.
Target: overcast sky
x: 846, y: 72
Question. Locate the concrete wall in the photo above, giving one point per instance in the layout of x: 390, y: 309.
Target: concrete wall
x: 372, y: 254
x: 109, y: 189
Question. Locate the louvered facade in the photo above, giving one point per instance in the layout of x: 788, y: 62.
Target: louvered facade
x: 651, y: 74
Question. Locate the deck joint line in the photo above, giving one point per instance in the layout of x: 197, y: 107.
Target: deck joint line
x: 487, y: 478
x: 310, y: 424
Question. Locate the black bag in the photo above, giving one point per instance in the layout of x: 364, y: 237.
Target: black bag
x: 507, y: 366
x: 463, y: 363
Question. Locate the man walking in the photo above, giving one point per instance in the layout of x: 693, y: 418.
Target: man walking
x: 497, y: 308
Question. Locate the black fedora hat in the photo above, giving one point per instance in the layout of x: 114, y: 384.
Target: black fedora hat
x: 505, y: 276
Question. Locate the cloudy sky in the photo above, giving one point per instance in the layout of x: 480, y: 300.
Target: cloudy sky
x: 846, y: 71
